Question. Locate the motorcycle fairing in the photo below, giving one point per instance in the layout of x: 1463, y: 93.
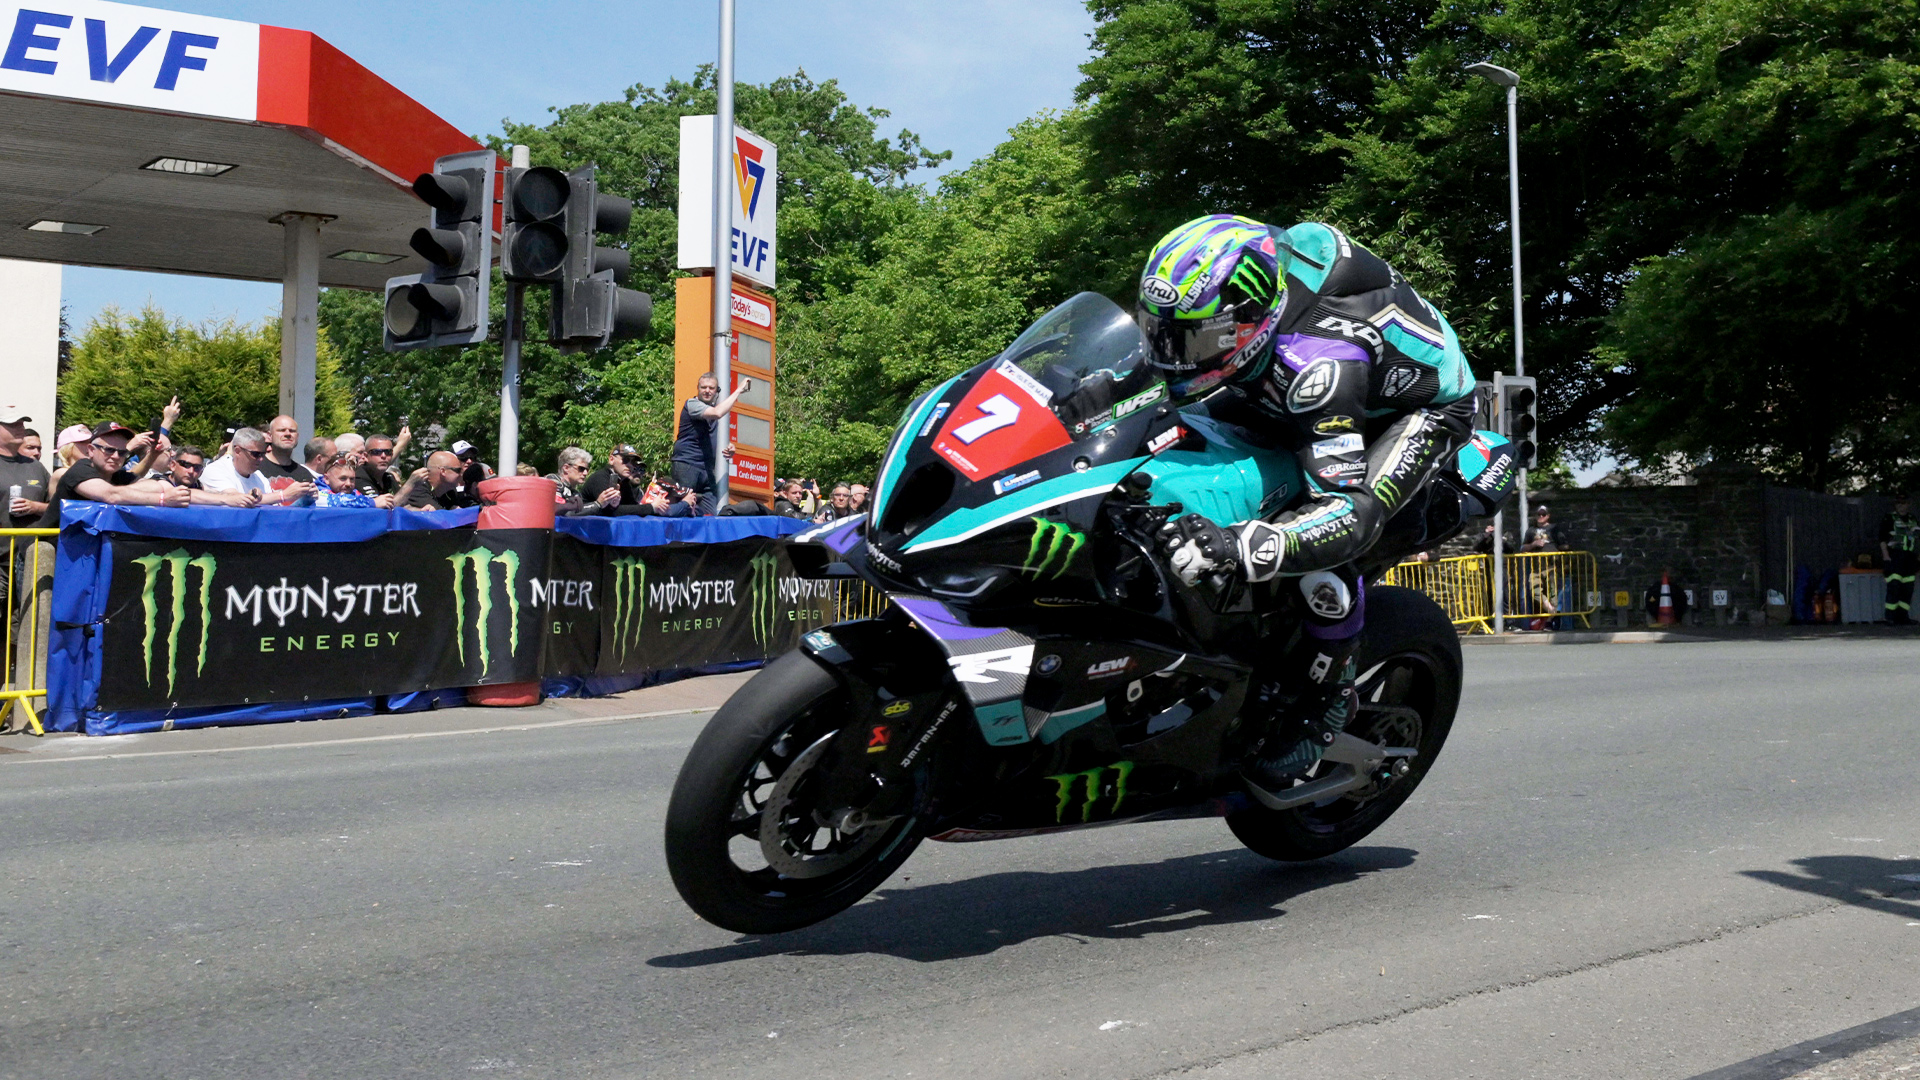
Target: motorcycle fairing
x: 965, y: 523
x: 989, y: 663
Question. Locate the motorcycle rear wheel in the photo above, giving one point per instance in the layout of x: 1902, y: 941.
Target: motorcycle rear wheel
x: 1409, y: 689
x: 734, y: 772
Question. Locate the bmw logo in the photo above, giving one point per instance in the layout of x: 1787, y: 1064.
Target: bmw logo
x: 1049, y: 664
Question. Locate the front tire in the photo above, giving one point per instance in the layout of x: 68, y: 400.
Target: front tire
x: 1409, y: 688
x: 716, y: 815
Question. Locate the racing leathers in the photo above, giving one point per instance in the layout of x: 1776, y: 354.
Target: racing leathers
x: 1367, y: 384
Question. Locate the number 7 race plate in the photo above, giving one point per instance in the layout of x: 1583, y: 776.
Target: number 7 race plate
x: 1003, y: 421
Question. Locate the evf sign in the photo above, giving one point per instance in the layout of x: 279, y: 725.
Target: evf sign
x: 755, y: 170
x: 136, y: 56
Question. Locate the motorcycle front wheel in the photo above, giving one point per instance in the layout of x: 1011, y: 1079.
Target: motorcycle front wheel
x: 747, y: 847
x: 1409, y: 689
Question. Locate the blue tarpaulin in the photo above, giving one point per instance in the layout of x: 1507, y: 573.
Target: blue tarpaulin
x: 656, y: 531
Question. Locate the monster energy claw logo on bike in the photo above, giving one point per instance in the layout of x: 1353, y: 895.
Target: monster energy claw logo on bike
x: 481, y: 561
x: 629, y: 584
x: 1093, y: 786
x: 1051, y: 540
x: 178, y: 564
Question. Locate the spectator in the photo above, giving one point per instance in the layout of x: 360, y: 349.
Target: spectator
x: 242, y: 472
x: 859, y: 498
x: 670, y: 499
x: 437, y: 486
x: 71, y: 445
x: 789, y: 502
x: 619, y: 475
x: 320, y: 453
x: 1900, y: 555
x: 1544, y: 535
x: 525, y: 468
x: 377, y: 476
x: 694, y: 460
x: 99, y: 478
x: 472, y: 471
x: 278, y: 468
x: 26, y: 478
x: 839, y: 504
x: 337, y: 475
x: 30, y: 447
x: 186, y: 467
x: 351, y: 444
x: 575, y: 465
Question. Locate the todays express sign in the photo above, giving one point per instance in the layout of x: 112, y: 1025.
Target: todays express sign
x: 134, y: 56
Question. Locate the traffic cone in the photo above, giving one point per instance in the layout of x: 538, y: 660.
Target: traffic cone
x: 1665, y: 616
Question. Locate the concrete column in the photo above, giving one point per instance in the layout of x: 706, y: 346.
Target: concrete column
x: 299, y: 316
x: 30, y: 342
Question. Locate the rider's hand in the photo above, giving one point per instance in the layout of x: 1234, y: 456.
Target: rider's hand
x: 1197, y: 548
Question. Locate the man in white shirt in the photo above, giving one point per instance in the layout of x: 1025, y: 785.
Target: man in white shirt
x: 239, y: 471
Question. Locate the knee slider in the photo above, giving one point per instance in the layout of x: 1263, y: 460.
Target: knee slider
x: 1326, y: 594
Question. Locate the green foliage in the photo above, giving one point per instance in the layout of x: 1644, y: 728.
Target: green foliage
x: 126, y: 368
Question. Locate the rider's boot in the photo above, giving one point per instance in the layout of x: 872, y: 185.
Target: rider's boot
x: 1300, y: 728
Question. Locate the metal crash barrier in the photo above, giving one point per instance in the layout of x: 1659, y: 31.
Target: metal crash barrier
x: 28, y: 577
x: 1539, y: 585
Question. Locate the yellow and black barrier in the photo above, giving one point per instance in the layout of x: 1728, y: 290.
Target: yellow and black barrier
x: 1539, y: 584
x: 28, y: 577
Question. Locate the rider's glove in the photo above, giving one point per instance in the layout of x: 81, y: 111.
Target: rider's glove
x: 1197, y: 548
x: 1260, y: 547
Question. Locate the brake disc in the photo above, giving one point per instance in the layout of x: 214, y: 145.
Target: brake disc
x: 795, y: 840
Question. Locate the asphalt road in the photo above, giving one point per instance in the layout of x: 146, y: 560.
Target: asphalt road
x: 1637, y: 861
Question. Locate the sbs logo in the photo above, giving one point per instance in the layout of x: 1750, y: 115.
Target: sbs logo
x: 481, y: 562
x: 179, y: 566
x: 1051, y: 540
x: 629, y: 602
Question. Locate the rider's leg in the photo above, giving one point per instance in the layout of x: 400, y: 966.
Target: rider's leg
x: 1315, y: 688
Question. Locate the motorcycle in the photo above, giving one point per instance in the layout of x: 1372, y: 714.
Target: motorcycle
x: 1038, y: 669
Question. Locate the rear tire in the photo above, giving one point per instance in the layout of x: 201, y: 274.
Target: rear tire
x: 1409, y: 659
x: 714, y: 816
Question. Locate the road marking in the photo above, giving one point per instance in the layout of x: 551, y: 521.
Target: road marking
x: 570, y: 722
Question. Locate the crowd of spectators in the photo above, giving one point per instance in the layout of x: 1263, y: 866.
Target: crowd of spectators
x: 272, y: 467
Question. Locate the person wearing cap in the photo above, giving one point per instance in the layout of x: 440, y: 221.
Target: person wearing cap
x: 70, y: 446
x: 99, y: 478
x: 472, y: 471
x: 1543, y: 534
x: 26, y: 478
x: 238, y: 474
x: 621, y: 474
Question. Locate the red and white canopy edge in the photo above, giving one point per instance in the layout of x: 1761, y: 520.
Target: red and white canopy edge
x: 146, y: 139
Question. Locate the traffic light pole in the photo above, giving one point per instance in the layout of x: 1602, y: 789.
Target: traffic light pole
x: 512, y: 330
x: 1513, y: 216
x: 723, y: 239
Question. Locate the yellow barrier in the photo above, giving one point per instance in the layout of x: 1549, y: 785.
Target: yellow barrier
x: 1539, y: 584
x: 1462, y: 586
x: 28, y: 580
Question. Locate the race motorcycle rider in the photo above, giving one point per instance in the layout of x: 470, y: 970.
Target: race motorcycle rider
x: 1307, y: 339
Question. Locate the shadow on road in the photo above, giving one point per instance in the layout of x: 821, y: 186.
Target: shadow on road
x: 976, y: 916
x: 1859, y: 880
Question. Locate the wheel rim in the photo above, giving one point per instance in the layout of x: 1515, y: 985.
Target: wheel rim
x: 793, y: 839
x: 1395, y: 707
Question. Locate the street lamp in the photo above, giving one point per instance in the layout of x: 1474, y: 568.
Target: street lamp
x: 1500, y: 76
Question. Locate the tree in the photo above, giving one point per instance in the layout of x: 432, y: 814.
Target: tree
x: 126, y: 368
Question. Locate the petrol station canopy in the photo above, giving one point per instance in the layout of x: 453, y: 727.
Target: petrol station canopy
x: 145, y: 139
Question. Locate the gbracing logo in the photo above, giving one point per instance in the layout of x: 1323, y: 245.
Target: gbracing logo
x: 178, y: 566
x: 481, y: 562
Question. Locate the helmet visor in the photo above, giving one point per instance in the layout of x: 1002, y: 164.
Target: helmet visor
x: 1187, y: 346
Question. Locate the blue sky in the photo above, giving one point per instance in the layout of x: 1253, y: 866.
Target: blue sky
x: 958, y: 74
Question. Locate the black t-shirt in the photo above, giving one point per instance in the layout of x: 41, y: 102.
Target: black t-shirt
x: 31, y: 477
x: 273, y: 470
x: 604, y: 479
x: 368, y: 480
x: 1554, y: 535
x: 69, y: 487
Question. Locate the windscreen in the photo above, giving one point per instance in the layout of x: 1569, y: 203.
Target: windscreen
x: 1092, y: 358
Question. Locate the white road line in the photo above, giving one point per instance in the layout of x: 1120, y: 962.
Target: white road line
x: 572, y: 722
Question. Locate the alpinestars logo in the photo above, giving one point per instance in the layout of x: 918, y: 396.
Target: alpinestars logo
x: 1094, y: 785
x: 629, y: 602
x: 178, y: 570
x: 1051, y: 540
x: 481, y: 562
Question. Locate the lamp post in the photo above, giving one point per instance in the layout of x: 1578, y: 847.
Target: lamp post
x: 1500, y: 76
x: 723, y: 236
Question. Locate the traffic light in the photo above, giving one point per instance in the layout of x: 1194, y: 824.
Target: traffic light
x: 548, y: 235
x: 1519, y: 417
x: 447, y: 305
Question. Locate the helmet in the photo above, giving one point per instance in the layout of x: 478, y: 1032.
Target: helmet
x: 1209, y: 299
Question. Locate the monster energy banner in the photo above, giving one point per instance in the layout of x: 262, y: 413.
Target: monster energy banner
x: 205, y: 623
x: 191, y: 623
x: 681, y: 606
